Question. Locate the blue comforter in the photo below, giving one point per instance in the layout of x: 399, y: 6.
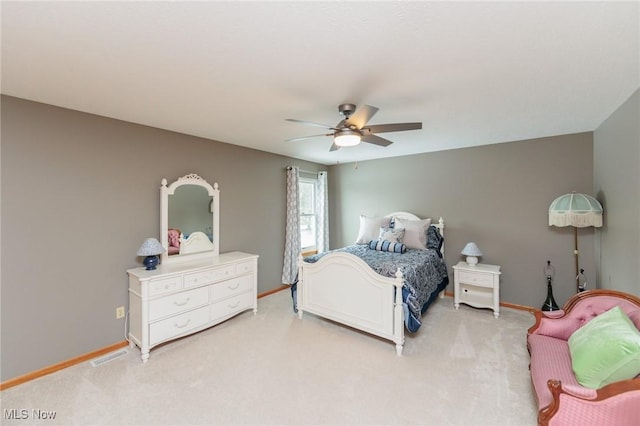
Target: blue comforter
x: 424, y: 273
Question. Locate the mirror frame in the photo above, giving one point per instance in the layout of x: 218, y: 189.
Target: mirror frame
x: 165, y: 191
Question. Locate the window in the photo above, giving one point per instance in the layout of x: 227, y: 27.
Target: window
x: 307, y: 214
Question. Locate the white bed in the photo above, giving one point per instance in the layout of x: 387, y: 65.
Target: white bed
x: 343, y: 288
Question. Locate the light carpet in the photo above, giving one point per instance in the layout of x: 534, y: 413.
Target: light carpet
x: 463, y: 367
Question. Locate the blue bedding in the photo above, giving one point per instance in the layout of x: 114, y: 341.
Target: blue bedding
x: 424, y: 273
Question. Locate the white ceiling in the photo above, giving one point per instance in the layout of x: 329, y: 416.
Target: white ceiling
x: 474, y: 73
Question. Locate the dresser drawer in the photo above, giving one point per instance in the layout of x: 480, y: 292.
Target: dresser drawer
x: 164, y: 285
x: 174, y: 326
x: 231, y: 287
x: 232, y: 305
x: 475, y: 278
x: 245, y: 267
x: 178, y: 302
x: 210, y: 276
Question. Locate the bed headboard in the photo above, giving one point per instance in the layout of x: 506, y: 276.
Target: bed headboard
x: 410, y: 216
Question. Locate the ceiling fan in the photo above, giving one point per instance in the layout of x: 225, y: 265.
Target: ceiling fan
x: 353, y: 128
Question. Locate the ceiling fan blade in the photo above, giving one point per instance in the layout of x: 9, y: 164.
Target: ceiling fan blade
x: 396, y: 127
x: 334, y: 147
x: 362, y: 116
x: 307, y: 137
x: 311, y: 123
x: 376, y: 140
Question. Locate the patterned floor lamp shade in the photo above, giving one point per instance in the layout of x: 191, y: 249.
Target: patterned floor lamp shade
x: 577, y: 210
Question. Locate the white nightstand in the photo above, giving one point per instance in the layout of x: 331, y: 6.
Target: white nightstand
x: 478, y: 286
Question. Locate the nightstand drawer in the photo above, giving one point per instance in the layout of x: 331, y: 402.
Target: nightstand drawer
x: 179, y: 302
x: 475, y: 278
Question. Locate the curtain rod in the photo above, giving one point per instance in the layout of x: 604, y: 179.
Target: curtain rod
x: 305, y: 171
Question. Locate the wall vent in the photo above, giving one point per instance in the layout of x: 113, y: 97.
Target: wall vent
x: 97, y: 362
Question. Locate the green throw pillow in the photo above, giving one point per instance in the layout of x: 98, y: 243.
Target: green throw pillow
x: 605, y: 350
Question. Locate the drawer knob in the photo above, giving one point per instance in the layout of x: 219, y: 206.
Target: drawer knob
x: 233, y: 286
x: 235, y: 305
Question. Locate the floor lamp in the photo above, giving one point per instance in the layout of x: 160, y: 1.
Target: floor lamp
x: 577, y: 210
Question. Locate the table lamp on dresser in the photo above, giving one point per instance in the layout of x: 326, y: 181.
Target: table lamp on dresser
x: 151, y: 248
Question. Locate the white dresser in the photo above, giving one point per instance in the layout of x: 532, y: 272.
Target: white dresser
x: 184, y: 297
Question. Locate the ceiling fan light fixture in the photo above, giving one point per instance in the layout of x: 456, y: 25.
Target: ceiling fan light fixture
x: 347, y: 137
x: 353, y: 129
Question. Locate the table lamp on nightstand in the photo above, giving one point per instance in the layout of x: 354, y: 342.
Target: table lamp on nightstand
x: 472, y: 252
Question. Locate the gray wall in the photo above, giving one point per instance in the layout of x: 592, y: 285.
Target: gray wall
x: 79, y: 195
x: 496, y: 195
x: 617, y: 185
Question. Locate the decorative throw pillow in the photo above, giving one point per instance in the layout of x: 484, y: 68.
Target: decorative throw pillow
x: 415, y: 232
x: 605, y: 350
x: 434, y: 239
x: 370, y: 228
x: 394, y: 235
x: 384, y: 245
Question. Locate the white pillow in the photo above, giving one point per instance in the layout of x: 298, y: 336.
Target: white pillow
x: 393, y: 235
x: 415, y: 232
x: 370, y: 228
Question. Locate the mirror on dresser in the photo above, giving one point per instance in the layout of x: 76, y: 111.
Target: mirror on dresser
x: 189, y: 219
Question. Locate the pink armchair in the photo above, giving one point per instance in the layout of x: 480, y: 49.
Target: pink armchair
x: 561, y: 399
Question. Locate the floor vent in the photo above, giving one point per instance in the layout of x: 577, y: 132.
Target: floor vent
x: 97, y: 362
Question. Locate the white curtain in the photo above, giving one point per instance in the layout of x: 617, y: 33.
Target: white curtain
x: 322, y: 213
x: 292, y: 229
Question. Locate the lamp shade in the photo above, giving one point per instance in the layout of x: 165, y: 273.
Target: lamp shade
x: 574, y: 209
x: 471, y: 249
x: 150, y: 247
x: 579, y: 211
x: 472, y: 252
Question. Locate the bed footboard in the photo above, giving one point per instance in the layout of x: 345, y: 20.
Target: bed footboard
x: 343, y: 288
